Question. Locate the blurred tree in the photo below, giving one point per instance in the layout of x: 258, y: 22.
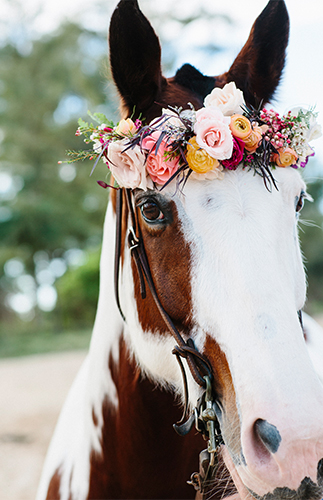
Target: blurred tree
x: 311, y: 235
x: 78, y: 293
x: 41, y: 96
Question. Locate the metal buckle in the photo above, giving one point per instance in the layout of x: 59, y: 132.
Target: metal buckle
x: 209, y: 418
x: 133, y: 241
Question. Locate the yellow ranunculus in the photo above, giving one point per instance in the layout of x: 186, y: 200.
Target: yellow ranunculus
x: 252, y: 141
x: 285, y: 157
x: 240, y: 126
x: 198, y: 159
x: 126, y: 127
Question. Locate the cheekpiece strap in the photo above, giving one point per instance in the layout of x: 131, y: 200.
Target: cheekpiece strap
x: 204, y: 416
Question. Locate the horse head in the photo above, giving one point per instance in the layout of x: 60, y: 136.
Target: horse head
x: 226, y: 264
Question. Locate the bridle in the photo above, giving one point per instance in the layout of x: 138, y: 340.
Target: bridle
x: 206, y: 414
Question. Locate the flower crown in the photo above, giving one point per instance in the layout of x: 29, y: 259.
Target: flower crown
x: 202, y: 144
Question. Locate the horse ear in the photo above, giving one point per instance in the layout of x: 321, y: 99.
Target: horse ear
x: 134, y: 57
x: 258, y: 67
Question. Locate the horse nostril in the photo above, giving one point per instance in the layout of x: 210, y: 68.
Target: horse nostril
x: 268, y: 434
x: 320, y: 472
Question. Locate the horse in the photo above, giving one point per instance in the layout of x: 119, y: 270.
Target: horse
x: 219, y: 281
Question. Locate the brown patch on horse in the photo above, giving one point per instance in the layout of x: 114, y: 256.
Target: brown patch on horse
x: 94, y: 418
x: 142, y: 457
x: 53, y: 492
x: 224, y: 387
x: 258, y: 67
x: 169, y: 259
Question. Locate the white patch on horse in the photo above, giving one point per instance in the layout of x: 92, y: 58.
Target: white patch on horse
x: 76, y: 434
x: 151, y: 349
x: 314, y: 342
x: 246, y: 266
x: 266, y: 326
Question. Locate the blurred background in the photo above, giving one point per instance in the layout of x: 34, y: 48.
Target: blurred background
x: 53, y: 69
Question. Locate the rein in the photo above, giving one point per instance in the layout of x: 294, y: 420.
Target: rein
x: 205, y: 415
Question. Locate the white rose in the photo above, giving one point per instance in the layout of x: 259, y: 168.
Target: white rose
x: 229, y: 99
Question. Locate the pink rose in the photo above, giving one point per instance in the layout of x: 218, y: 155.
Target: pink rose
x: 159, y: 168
x: 213, y: 133
x: 237, y: 155
x: 127, y: 167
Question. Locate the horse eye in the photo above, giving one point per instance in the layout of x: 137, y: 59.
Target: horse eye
x: 300, y: 202
x: 151, y: 212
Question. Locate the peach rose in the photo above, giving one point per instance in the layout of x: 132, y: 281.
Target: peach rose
x: 127, y: 167
x: 213, y: 133
x: 240, y: 126
x: 125, y: 127
x: 285, y: 157
x: 198, y: 159
x: 158, y: 166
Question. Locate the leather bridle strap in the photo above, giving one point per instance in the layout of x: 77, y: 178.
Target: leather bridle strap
x: 198, y: 364
x: 117, y: 254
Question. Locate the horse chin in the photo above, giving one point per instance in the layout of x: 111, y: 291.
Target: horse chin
x: 308, y: 490
x: 243, y: 492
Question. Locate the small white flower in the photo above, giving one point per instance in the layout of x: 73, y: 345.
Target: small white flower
x: 173, y: 119
x: 97, y: 146
x: 189, y: 115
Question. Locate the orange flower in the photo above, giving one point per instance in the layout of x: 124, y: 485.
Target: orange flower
x: 285, y: 157
x: 252, y: 141
x: 198, y: 159
x: 240, y: 126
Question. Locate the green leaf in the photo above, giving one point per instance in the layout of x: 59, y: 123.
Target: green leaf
x: 80, y: 155
x: 83, y: 124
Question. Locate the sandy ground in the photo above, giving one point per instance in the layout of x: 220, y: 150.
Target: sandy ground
x: 32, y: 391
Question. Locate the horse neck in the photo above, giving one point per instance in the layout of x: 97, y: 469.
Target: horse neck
x: 141, y: 454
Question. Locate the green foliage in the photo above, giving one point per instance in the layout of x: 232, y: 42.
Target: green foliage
x: 47, y: 211
x: 25, y: 341
x: 311, y: 235
x: 78, y: 293
x: 41, y: 95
